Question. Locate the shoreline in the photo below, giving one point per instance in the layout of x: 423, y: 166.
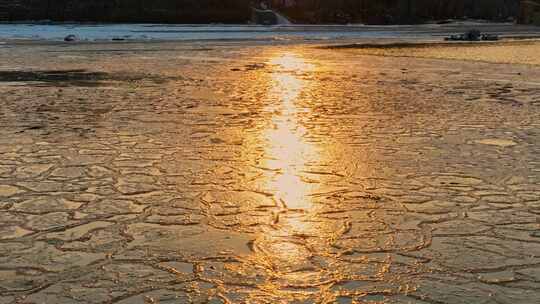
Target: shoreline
x: 433, y: 43
x: 377, y: 43
x: 179, y: 32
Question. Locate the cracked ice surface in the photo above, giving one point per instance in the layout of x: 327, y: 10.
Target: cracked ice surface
x: 189, y: 173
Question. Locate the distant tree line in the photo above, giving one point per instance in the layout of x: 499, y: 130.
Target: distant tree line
x: 162, y: 11
x: 239, y: 11
x: 396, y: 11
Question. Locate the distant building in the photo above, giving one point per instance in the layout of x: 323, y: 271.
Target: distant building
x: 264, y: 17
x: 530, y: 12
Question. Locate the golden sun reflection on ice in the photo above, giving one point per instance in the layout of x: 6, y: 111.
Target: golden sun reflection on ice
x: 281, y: 247
x: 287, y: 149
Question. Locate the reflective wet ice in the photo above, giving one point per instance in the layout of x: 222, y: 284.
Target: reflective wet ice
x: 267, y: 174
